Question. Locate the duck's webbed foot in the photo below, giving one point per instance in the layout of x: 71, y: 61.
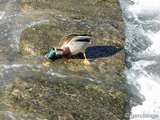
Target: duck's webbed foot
x: 86, y: 62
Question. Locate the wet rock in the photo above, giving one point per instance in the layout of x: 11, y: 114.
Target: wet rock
x: 77, y: 9
x: 97, y: 91
x: 39, y: 39
x: 60, y: 101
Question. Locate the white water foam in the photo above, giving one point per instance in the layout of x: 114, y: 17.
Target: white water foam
x: 14, y: 116
x: 16, y: 33
x: 2, y: 14
x: 154, y: 48
x: 52, y: 72
x: 142, y: 42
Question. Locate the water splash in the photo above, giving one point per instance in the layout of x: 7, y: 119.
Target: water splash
x: 142, y: 37
x: 14, y: 116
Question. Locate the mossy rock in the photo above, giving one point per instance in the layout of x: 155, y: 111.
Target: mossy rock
x: 51, y: 100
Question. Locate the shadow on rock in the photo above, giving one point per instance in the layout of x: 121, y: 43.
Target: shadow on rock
x: 94, y: 52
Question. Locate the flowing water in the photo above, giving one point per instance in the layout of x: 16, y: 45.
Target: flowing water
x: 143, y: 54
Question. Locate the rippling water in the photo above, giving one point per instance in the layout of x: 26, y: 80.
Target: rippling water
x: 143, y: 54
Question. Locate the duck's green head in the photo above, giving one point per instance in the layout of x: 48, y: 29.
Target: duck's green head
x: 51, y: 54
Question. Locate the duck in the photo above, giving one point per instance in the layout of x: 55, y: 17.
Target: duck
x: 71, y: 45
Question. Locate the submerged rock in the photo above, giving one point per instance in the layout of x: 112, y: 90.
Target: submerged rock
x: 79, y: 96
x: 55, y: 101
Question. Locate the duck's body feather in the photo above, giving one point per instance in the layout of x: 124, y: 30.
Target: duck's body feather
x: 76, y: 42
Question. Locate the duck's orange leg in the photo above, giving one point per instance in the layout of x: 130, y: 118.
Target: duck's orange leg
x: 86, y: 62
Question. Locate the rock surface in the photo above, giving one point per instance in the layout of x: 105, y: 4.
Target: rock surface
x: 55, y: 101
x: 77, y: 97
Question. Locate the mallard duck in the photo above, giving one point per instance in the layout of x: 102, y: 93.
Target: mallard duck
x: 70, y: 45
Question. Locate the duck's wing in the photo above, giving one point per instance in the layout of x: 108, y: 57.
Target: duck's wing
x: 65, y: 40
x: 81, y: 38
x: 74, y: 38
